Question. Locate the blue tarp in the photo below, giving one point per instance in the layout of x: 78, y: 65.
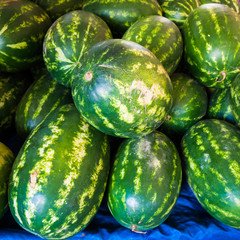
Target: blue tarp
x: 188, y: 220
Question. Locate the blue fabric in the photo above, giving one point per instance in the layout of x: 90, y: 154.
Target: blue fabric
x: 188, y: 220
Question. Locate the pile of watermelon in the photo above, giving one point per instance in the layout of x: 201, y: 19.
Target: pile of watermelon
x: 122, y: 100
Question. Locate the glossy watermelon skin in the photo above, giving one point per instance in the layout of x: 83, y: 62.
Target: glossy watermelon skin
x: 42, y: 97
x: 23, y: 25
x: 12, y: 88
x: 235, y: 99
x: 212, y: 51
x: 234, y: 4
x: 68, y: 38
x: 122, y: 89
x: 220, y: 105
x: 161, y: 36
x: 144, y: 182
x: 120, y: 15
x: 178, y: 11
x: 57, y: 8
x: 59, y: 176
x: 190, y: 102
x: 6, y: 161
x: 211, y: 153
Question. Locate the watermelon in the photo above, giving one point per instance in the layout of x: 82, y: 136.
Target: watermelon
x: 211, y: 150
x: 144, y: 182
x: 122, y: 89
x: 6, y: 161
x: 220, y: 105
x: 161, y: 36
x: 57, y: 8
x: 178, y: 11
x: 120, y: 15
x: 68, y: 38
x: 234, y: 4
x: 212, y: 44
x: 59, y: 176
x: 190, y: 102
x: 23, y: 25
x: 235, y: 99
x: 12, y: 88
x: 42, y: 97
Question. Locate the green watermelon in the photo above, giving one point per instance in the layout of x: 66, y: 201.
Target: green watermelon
x: 178, y: 11
x: 68, y: 38
x: 41, y: 98
x: 6, y: 161
x: 234, y: 4
x: 12, y: 88
x: 144, y: 182
x: 235, y: 99
x: 161, y: 36
x: 190, y: 102
x: 220, y: 105
x: 59, y: 176
x: 211, y: 150
x: 57, y: 8
x: 122, y: 89
x: 212, y: 44
x: 23, y: 25
x: 120, y: 15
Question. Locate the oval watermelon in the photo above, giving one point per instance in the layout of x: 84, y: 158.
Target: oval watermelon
x: 59, y: 176
x: 144, y: 182
x: 190, y: 102
x: 23, y: 25
x: 211, y: 150
x: 42, y: 97
x: 212, y: 44
x: 120, y: 15
x: 122, y: 89
x: 6, y: 161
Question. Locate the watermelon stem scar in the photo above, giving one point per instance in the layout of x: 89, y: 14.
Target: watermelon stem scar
x: 223, y: 74
x: 133, y: 228
x: 88, y: 76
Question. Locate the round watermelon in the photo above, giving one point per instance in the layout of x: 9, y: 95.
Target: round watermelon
x: 161, y: 36
x: 68, y: 38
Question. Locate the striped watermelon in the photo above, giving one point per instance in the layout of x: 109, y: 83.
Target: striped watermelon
x: 235, y: 99
x: 122, y: 89
x: 12, y: 88
x: 220, y: 105
x: 23, y: 25
x: 211, y: 150
x: 57, y: 8
x: 120, y: 15
x: 144, y: 182
x: 68, y: 38
x: 212, y: 44
x: 6, y: 161
x: 190, y: 102
x: 161, y: 36
x: 59, y: 176
x: 234, y: 4
x: 178, y: 11
x: 41, y: 98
